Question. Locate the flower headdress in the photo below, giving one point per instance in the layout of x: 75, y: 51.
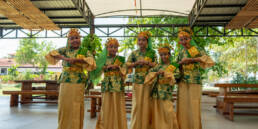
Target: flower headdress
x: 73, y: 32
x: 165, y: 47
x: 112, y: 41
x: 185, y: 31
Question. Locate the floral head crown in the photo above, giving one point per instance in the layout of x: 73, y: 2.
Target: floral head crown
x: 112, y: 41
x: 145, y: 34
x: 185, y: 31
x: 74, y: 32
x: 165, y: 47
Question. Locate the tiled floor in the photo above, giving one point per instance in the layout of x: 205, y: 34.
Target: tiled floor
x: 43, y: 116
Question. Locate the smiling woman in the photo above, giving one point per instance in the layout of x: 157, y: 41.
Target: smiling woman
x: 72, y: 81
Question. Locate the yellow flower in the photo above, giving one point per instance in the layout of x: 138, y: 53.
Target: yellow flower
x: 189, y: 66
x: 193, y: 51
x: 148, y: 59
x: 117, y: 62
x: 171, y: 68
x: 79, y: 56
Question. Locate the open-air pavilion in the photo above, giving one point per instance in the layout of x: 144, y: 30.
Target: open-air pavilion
x: 53, y: 18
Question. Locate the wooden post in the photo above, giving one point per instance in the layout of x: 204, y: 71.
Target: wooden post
x: 93, y: 107
x: 52, y: 86
x: 14, y: 100
x: 99, y: 104
x: 26, y: 86
x: 231, y: 111
x: 91, y: 23
x: 92, y: 31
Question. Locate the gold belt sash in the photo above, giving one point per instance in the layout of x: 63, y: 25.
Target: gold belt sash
x: 111, y: 73
x: 141, y: 70
x: 163, y: 81
x: 188, y: 67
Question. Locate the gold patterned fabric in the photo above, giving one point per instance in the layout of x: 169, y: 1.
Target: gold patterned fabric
x: 113, y: 79
x: 140, y: 71
x: 162, y: 111
x: 162, y: 85
x: 188, y: 106
x: 163, y: 115
x: 72, y: 73
x: 71, y: 106
x: 140, y: 115
x: 208, y: 62
x: 113, y: 114
x: 71, y: 93
x: 141, y: 107
x: 191, y: 73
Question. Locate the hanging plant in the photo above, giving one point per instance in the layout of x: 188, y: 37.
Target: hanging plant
x: 91, y: 43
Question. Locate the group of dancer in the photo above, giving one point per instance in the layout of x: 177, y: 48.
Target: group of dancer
x: 153, y: 83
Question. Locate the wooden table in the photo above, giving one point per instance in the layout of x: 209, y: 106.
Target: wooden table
x: 227, y: 98
x: 225, y: 88
x: 27, y: 86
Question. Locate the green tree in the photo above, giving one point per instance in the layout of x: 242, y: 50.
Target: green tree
x: 32, y: 52
x: 239, y: 58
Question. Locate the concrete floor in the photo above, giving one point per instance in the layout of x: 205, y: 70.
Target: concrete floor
x: 44, y: 116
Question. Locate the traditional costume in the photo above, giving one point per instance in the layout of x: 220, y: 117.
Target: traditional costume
x: 141, y: 108
x: 72, y: 83
x: 163, y: 115
x: 113, y: 113
x: 189, y: 87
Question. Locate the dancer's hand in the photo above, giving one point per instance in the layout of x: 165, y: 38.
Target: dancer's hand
x: 112, y: 67
x: 160, y: 72
x: 186, y: 61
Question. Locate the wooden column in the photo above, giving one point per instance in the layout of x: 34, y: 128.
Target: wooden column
x: 26, y: 86
x: 52, y: 86
x: 14, y: 100
x: 93, y: 107
x: 91, y: 23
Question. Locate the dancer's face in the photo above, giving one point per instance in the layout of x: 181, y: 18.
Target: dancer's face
x: 142, y: 42
x: 112, y: 49
x: 164, y: 56
x: 75, y: 41
x: 185, y: 41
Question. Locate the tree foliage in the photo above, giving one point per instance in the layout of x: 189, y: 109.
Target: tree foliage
x: 32, y: 52
x: 237, y: 57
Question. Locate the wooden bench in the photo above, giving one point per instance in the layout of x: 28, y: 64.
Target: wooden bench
x: 14, y: 100
x: 95, y: 104
x: 227, y: 98
x: 27, y: 86
x: 225, y: 104
x: 210, y: 93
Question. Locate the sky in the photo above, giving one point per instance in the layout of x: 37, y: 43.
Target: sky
x: 9, y: 46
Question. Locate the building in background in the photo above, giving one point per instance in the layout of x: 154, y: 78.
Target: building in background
x: 6, y: 63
